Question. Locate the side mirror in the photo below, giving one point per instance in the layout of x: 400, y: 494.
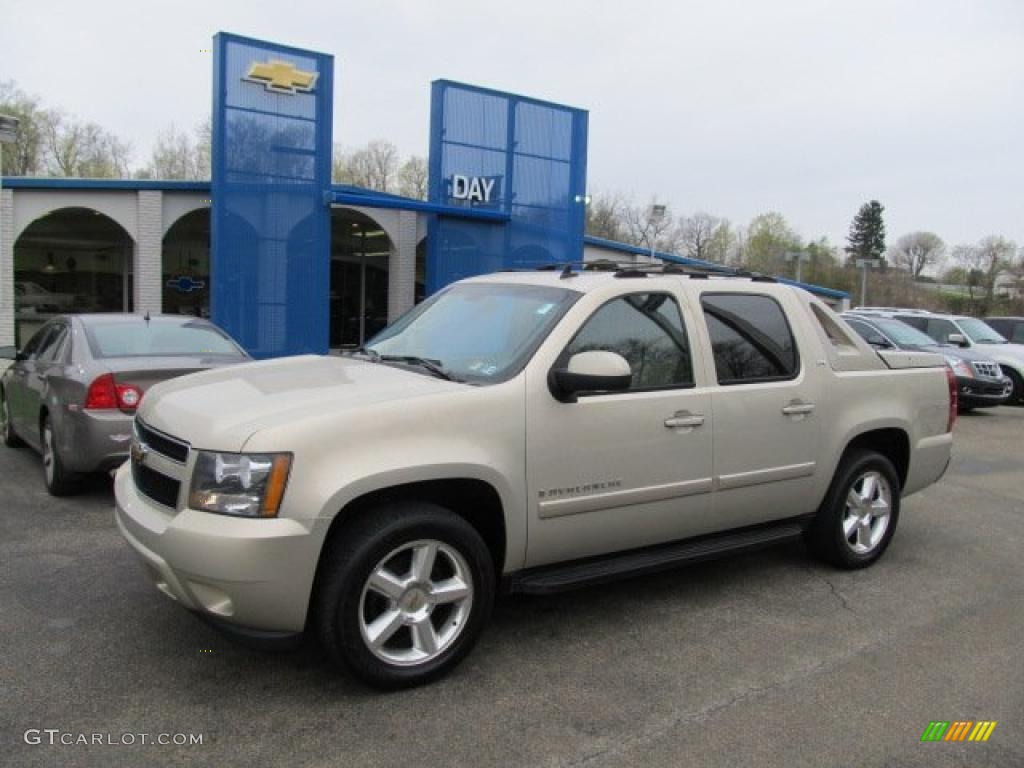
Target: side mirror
x: 594, y: 371
x: 879, y: 341
x: 10, y: 353
x: 959, y: 339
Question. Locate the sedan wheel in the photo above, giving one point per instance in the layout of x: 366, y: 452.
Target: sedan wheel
x: 59, y: 482
x: 6, y: 428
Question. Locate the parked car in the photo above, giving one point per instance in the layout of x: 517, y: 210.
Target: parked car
x: 72, y: 392
x: 33, y: 296
x: 967, y: 333
x: 537, y: 430
x: 980, y: 380
x: 1011, y: 328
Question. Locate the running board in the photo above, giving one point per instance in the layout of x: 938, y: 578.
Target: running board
x: 549, y: 579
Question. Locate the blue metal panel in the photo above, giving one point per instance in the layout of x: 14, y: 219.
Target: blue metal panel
x: 270, y: 255
x: 531, y: 155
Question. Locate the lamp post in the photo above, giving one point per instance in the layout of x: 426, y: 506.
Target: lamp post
x: 656, y: 215
x: 8, y: 133
x: 800, y: 257
x: 865, y: 265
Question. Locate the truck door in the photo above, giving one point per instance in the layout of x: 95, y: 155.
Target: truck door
x: 620, y: 470
x: 765, y: 405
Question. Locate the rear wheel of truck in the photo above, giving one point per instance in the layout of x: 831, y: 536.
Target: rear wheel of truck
x: 404, y: 594
x: 857, y: 520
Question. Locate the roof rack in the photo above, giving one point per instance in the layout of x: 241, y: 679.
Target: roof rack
x: 632, y: 269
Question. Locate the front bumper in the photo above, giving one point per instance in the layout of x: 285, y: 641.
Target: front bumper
x: 983, y: 392
x: 253, y: 575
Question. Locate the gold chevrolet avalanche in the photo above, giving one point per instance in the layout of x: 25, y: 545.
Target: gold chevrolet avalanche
x: 529, y: 431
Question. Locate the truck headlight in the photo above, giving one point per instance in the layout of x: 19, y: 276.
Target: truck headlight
x: 243, y: 484
x: 960, y: 367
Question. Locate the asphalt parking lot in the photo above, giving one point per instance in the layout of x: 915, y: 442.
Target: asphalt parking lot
x: 768, y: 659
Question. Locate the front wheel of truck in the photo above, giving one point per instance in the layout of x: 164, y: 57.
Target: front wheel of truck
x: 857, y: 520
x: 405, y: 592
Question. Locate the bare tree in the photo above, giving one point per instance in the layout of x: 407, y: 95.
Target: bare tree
x: 75, y: 148
x: 375, y: 166
x: 412, y: 178
x: 174, y: 157
x: 25, y: 156
x: 204, y: 150
x: 917, y: 251
x: 724, y: 242
x: 605, y: 217
x: 648, y: 230
x: 983, y: 263
x: 696, y: 233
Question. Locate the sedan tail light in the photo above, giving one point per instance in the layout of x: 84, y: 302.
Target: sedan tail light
x: 105, y: 394
x: 953, y: 399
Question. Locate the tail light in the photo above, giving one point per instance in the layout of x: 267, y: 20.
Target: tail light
x: 105, y: 394
x: 954, y: 401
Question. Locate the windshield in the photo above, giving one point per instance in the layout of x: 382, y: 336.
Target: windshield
x: 159, y: 338
x: 903, y: 334
x: 980, y: 332
x: 478, y: 332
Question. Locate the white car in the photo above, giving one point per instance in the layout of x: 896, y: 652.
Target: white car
x: 32, y: 296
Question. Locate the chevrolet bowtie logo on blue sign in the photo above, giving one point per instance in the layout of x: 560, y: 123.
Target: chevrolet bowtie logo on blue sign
x: 186, y: 284
x: 281, y: 77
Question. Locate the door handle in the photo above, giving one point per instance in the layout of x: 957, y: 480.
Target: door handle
x: 798, y: 409
x: 684, y: 419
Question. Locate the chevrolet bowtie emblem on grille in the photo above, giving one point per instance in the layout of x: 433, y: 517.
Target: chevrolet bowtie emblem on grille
x: 281, y: 77
x: 139, y: 452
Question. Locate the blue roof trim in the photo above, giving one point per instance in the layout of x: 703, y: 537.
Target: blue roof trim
x: 374, y: 200
x: 38, y: 182
x: 636, y: 250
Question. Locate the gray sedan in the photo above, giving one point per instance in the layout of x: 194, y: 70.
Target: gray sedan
x: 71, y: 393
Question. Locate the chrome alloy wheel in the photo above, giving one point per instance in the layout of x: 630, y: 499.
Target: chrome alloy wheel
x: 866, y: 519
x: 48, y: 452
x: 415, y: 603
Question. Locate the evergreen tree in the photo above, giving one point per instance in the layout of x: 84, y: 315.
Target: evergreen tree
x: 867, y: 232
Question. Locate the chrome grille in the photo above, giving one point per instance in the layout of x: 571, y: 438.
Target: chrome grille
x: 170, y: 447
x: 988, y: 370
x: 158, y: 464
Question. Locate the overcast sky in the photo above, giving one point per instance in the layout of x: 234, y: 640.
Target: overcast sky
x: 807, y: 107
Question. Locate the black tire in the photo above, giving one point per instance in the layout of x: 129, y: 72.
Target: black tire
x: 11, y: 440
x: 59, y: 482
x: 827, y: 537
x: 1017, y: 393
x: 359, y: 550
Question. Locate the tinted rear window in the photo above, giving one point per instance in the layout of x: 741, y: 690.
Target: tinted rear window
x: 750, y: 338
x: 159, y: 339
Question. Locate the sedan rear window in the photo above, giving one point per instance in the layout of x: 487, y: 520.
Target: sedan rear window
x: 159, y: 339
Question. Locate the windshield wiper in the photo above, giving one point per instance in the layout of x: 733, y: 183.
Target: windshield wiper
x: 434, y: 366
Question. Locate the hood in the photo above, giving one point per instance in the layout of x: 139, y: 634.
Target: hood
x: 1002, y: 351
x: 220, y: 409
x: 960, y: 353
